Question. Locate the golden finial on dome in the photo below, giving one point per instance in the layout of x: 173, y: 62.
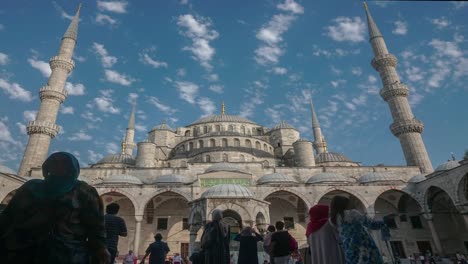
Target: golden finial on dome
x: 223, y: 108
x: 324, y: 143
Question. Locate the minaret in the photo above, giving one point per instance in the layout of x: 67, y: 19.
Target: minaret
x: 43, y: 129
x: 223, y: 108
x: 128, y: 143
x: 319, y: 144
x: 405, y: 126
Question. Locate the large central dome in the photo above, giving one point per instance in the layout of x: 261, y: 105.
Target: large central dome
x: 222, y: 118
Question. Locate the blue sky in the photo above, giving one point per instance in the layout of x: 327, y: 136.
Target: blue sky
x: 265, y: 59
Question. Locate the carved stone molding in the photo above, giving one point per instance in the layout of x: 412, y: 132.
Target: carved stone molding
x: 406, y: 126
x: 384, y: 60
x: 39, y: 127
x: 63, y: 63
x: 394, y: 90
x: 47, y: 93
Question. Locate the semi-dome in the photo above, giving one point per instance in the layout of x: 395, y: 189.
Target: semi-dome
x: 379, y: 177
x: 118, y: 158
x: 329, y: 177
x: 172, y: 179
x: 450, y: 164
x: 121, y: 179
x: 276, y: 178
x: 6, y: 170
x: 331, y: 157
x: 162, y: 126
x: 222, y: 118
x: 417, y: 178
x: 223, y: 166
x: 228, y: 191
x: 283, y: 125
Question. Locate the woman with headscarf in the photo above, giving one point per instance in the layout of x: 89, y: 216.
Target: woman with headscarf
x: 322, y: 237
x: 358, y: 245
x: 215, y: 240
x: 248, y: 239
x: 55, y: 220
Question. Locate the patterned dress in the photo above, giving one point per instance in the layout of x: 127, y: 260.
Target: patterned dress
x: 357, y: 244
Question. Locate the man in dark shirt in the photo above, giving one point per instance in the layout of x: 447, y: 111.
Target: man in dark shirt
x: 115, y: 227
x: 280, y: 244
x: 157, y: 251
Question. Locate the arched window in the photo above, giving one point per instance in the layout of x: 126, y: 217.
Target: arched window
x: 230, y: 128
x: 149, y: 212
x: 242, y: 158
x: 225, y: 157
x: 190, y: 146
x: 236, y: 142
x: 205, y: 129
x: 207, y: 158
x: 218, y: 128
x: 212, y: 143
x: 200, y: 143
x: 187, y: 133
x: 258, y: 145
x: 225, y: 142
x: 243, y: 130
x: 248, y: 143
x: 265, y: 148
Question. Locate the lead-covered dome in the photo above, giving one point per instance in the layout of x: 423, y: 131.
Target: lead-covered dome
x: 118, y: 158
x: 6, y: 170
x: 228, y: 191
x: 121, y: 179
x: 331, y: 157
x: 276, y: 178
x: 328, y: 178
x: 450, y: 164
x: 417, y: 178
x: 223, y: 118
x: 223, y: 166
x: 379, y: 177
x: 283, y: 125
x: 170, y: 179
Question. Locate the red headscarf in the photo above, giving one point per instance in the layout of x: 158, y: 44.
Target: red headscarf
x: 318, y: 217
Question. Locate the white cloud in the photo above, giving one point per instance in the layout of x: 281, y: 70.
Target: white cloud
x: 356, y: 71
x: 75, y: 89
x: 181, y: 72
x: 206, y: 105
x: 79, y: 58
x: 88, y: 115
x: 360, y: 100
x: 6, y: 136
x: 67, y: 110
x: 401, y: 28
x: 254, y: 95
x: 146, y: 59
x: 447, y: 48
x: 350, y: 106
x: 216, y: 88
x: 2, y: 27
x: 280, y: 70
x: 119, y: 7
x: 291, y: 6
x: 414, y: 74
x: 184, y: 2
x: 337, y: 83
x: 132, y: 97
x: 213, y: 77
x: 61, y: 11
x: 198, y: 30
x: 104, y: 102
x: 29, y: 115
x: 42, y: 66
x: 333, y: 53
x: 161, y: 106
x: 459, y: 4
x: 347, y: 29
x: 107, y: 61
x: 372, y: 79
x: 15, y: 91
x: 4, y: 59
x: 22, y: 128
x: 93, y: 156
x: 273, y: 114
x: 112, y: 147
x: 441, y: 22
x: 80, y: 136
x: 102, y: 19
x: 141, y: 128
x: 187, y: 91
x: 115, y: 77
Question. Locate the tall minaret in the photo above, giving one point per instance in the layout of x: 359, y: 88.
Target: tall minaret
x: 128, y: 143
x: 319, y: 144
x: 405, y: 126
x: 43, y: 129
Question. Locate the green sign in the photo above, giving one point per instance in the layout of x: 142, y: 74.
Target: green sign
x: 213, y: 181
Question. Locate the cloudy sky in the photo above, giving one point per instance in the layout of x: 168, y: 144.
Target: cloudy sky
x: 179, y: 59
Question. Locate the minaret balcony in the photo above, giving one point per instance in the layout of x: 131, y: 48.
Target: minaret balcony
x: 41, y: 127
x: 394, y: 90
x: 62, y: 62
x: 406, y: 126
x: 384, y: 60
x: 47, y: 93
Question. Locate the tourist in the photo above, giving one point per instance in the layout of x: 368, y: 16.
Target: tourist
x: 267, y: 242
x: 177, y: 259
x: 157, y: 251
x: 412, y: 260
x: 55, y: 220
x: 248, y: 239
x: 357, y: 244
x: 130, y: 258
x: 280, y: 244
x: 115, y: 227
x: 322, y: 237
x: 215, y: 240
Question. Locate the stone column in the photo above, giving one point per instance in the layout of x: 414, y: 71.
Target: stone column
x: 136, y: 244
x: 193, y: 237
x: 430, y: 222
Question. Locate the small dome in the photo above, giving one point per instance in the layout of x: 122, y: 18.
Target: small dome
x: 162, y: 126
x: 228, y: 191
x: 172, y: 179
x: 276, y: 178
x: 118, y: 158
x: 417, y: 178
x: 448, y: 165
x: 223, y: 166
x: 6, y: 170
x: 222, y: 118
x: 331, y: 157
x: 329, y: 177
x: 379, y: 177
x: 122, y: 179
x: 283, y: 125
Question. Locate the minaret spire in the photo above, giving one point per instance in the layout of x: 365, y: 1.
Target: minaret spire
x: 43, y: 129
x: 319, y: 144
x: 128, y: 143
x: 223, y: 108
x: 405, y: 126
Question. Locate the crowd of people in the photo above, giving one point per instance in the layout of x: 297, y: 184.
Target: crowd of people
x: 61, y: 220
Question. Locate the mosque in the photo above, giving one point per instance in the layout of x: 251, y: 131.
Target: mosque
x: 259, y: 175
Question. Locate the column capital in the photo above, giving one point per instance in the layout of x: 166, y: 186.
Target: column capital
x: 138, y: 218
